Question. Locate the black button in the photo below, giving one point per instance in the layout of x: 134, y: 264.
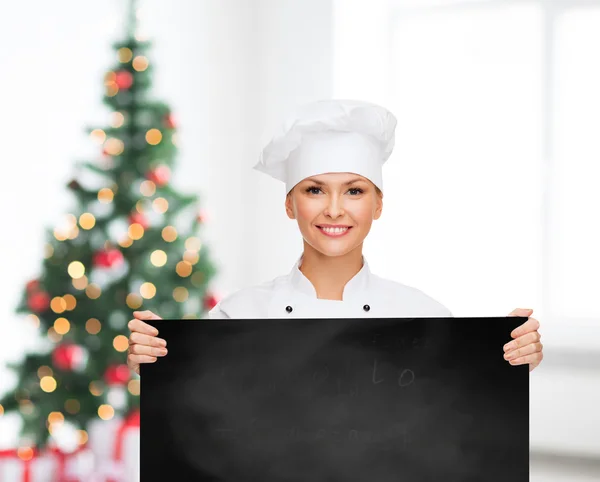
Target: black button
x: 288, y: 309
x: 366, y: 307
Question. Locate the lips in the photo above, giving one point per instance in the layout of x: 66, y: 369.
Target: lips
x: 334, y: 231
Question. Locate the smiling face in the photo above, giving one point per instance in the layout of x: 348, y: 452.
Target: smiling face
x: 334, y: 211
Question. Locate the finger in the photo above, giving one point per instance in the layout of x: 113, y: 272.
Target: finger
x: 146, y: 315
x: 147, y: 350
x: 527, y: 339
x: 533, y: 359
x: 137, y: 359
x: 530, y: 325
x: 521, y: 312
x: 523, y: 351
x: 141, y: 339
x: 140, y: 326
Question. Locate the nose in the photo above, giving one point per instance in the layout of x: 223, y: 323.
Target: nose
x: 335, y: 207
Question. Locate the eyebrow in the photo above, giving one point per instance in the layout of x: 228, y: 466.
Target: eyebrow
x: 351, y: 181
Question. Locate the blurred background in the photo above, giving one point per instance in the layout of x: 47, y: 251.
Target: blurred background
x: 492, y: 193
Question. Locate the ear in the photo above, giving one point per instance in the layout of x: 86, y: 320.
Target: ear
x: 378, y: 206
x: 289, y: 210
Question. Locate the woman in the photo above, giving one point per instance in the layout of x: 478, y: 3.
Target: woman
x: 330, y: 157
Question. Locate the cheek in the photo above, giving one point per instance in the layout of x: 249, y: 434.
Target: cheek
x: 306, y: 211
x: 361, y: 212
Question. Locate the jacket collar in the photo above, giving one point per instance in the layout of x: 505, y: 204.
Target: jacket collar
x: 355, y: 287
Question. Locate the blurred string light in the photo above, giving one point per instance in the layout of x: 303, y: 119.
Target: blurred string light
x: 153, y: 136
x: 80, y: 283
x: 44, y: 371
x: 183, y: 269
x: 126, y: 242
x: 110, y: 82
x: 48, y: 384
x: 191, y: 257
x: 58, y: 304
x: 26, y: 407
x: 134, y: 301
x: 139, y: 206
x: 193, y: 243
x: 114, y: 146
x: 83, y: 437
x: 93, y: 291
x: 140, y: 63
x: 105, y: 195
x: 33, y: 319
x: 169, y: 234
x: 87, y: 221
x: 135, y: 231
x: 158, y: 258
x: 76, y: 269
x: 25, y: 453
x: 1, y: 410
x: 106, y: 412
x: 98, y: 136
x: 70, y: 301
x: 62, y: 326
x: 124, y: 54
x: 117, y: 119
x: 93, y: 326
x: 134, y: 387
x: 147, y: 188
x: 160, y: 205
x: 67, y: 229
x: 53, y: 336
x: 96, y: 389
x: 120, y: 343
x: 180, y: 294
x: 148, y: 290
x: 48, y: 250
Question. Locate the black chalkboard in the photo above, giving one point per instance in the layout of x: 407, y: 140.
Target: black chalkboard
x: 420, y: 399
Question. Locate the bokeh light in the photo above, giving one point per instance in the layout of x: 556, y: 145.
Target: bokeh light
x: 180, y: 294
x: 106, y: 412
x: 93, y: 326
x: 169, y: 234
x: 48, y: 384
x: 105, y: 195
x: 183, y: 269
x: 158, y: 258
x: 62, y: 326
x: 153, y: 137
x: 134, y: 301
x: 148, y: 290
x: 87, y: 221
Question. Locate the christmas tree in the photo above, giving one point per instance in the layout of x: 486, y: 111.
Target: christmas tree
x: 132, y: 242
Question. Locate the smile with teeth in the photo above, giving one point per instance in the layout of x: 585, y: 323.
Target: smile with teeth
x: 334, y: 231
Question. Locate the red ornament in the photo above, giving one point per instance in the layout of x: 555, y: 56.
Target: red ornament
x: 169, y: 121
x: 108, y: 258
x: 124, y: 79
x: 32, y: 286
x: 159, y: 175
x: 138, y: 218
x: 117, y: 374
x: 38, y: 301
x: 210, y: 301
x: 69, y: 357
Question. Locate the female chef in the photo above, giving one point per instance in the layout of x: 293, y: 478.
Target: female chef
x: 330, y: 157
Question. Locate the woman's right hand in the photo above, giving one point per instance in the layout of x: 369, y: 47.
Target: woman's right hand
x: 144, y: 346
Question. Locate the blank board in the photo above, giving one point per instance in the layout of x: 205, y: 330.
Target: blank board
x: 390, y: 399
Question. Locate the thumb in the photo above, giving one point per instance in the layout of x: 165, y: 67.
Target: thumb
x: 521, y: 312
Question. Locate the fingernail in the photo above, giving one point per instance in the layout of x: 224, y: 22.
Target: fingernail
x: 507, y: 347
x: 162, y: 342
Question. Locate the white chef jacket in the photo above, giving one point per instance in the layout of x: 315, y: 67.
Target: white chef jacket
x: 293, y: 296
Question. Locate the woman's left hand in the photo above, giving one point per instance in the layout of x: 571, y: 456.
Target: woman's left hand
x: 526, y: 346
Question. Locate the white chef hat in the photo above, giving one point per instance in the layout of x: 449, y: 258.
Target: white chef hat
x: 330, y: 136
